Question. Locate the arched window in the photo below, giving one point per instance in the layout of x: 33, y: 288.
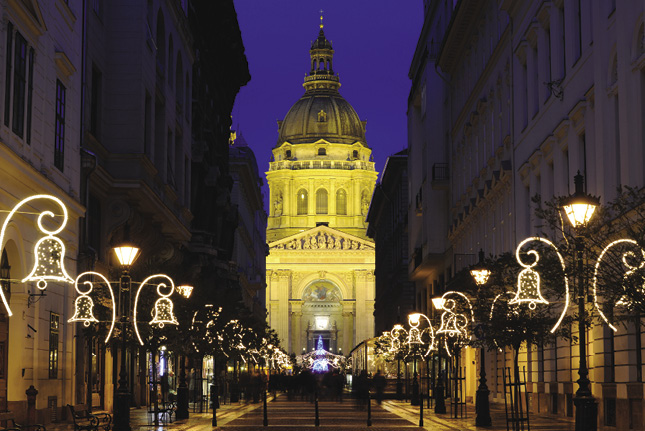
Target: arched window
x: 322, y: 152
x: 303, y: 202
x: 341, y: 202
x: 287, y: 154
x: 321, y: 201
x: 355, y: 154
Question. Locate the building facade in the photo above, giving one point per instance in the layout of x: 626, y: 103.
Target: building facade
x: 39, y: 155
x: 388, y: 226
x: 250, y: 249
x: 320, y: 270
x: 514, y: 98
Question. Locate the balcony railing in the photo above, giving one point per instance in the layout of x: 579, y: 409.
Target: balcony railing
x: 321, y: 164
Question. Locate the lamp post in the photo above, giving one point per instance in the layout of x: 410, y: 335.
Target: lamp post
x: 415, y: 338
x: 126, y: 254
x: 482, y: 407
x: 579, y: 209
x: 440, y: 403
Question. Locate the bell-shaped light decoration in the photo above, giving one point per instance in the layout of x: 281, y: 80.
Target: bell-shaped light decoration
x: 163, y: 313
x: 450, y: 320
x: 49, y: 253
x: 579, y: 207
x: 83, y: 311
x: 528, y: 289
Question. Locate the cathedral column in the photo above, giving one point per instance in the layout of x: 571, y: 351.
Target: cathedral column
x: 348, y: 327
x: 296, y: 327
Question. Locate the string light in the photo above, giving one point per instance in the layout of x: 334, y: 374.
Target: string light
x: 632, y: 270
x: 81, y: 314
x: 528, y: 280
x: 163, y: 306
x: 45, y: 250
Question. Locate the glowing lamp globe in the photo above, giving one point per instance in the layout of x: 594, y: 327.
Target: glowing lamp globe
x: 414, y: 318
x: 185, y: 290
x: 580, y: 207
x: 438, y: 303
x: 480, y: 275
x: 126, y: 254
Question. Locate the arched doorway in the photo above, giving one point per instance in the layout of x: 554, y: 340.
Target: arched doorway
x: 322, y: 312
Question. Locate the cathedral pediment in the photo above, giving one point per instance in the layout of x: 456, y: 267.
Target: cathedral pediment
x: 322, y: 238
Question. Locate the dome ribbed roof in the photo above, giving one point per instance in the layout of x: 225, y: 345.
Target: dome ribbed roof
x: 303, y: 124
x: 321, y: 113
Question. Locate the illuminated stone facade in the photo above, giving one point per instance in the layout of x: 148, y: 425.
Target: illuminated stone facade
x: 320, y: 270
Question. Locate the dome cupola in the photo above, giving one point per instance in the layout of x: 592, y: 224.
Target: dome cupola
x: 321, y: 113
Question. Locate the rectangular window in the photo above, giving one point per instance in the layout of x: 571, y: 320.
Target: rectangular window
x: 19, y: 84
x: 59, y: 138
x: 95, y: 102
x: 54, y: 324
x: 7, y: 84
x: 30, y: 94
x: 578, y: 33
x: 94, y: 224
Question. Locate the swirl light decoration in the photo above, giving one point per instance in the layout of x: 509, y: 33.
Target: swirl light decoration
x: 528, y: 280
x: 163, y: 310
x: 454, y: 324
x: 84, y: 305
x: 632, y: 269
x: 415, y: 334
x: 49, y: 251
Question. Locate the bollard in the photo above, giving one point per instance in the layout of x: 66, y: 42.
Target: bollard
x: 369, y: 410
x: 421, y: 410
x: 317, y: 420
x: 265, y: 420
x: 31, y: 405
x: 213, y: 394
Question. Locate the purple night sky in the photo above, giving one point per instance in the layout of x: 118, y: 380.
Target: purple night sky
x: 373, y: 42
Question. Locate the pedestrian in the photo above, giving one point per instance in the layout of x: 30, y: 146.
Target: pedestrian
x: 379, y: 385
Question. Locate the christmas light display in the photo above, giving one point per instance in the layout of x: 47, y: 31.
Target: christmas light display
x: 528, y: 280
x: 84, y: 305
x: 632, y: 269
x: 163, y: 309
x: 49, y: 251
x: 453, y: 323
x: 415, y: 334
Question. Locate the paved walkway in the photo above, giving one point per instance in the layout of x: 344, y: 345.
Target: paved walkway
x: 300, y: 416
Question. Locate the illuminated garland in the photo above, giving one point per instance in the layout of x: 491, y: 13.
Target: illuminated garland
x: 632, y: 270
x: 83, y: 306
x: 49, y: 251
x: 528, y: 280
x: 163, y: 310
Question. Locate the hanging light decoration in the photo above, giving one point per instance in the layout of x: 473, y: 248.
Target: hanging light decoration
x: 528, y: 280
x: 163, y: 309
x: 49, y: 251
x: 84, y: 305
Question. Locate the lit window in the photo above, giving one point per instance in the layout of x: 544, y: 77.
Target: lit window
x: 321, y: 201
x: 54, y: 324
x: 341, y: 202
x: 302, y: 202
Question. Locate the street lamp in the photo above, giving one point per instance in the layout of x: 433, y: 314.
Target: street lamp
x: 440, y: 403
x: 126, y: 254
x: 482, y: 407
x: 579, y: 208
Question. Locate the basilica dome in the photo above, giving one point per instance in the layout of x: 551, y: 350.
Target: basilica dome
x: 321, y: 113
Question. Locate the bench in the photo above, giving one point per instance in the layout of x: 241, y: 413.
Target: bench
x: 86, y: 421
x: 12, y: 425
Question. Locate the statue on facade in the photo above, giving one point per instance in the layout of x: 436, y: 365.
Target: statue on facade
x: 322, y: 243
x: 277, y: 205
